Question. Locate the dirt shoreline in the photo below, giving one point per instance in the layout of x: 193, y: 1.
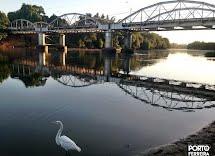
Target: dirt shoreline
x: 206, y: 136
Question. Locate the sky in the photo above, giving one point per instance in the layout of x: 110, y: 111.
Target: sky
x: 117, y: 8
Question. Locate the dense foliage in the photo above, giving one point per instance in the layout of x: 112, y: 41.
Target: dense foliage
x: 148, y: 40
x: 201, y: 46
x: 4, y: 72
x: 210, y: 54
x: 3, y: 20
x: 32, y: 13
x: 139, y: 40
x: 178, y: 46
x: 3, y: 59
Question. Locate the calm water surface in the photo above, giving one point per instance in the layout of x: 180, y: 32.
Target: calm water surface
x: 100, y: 114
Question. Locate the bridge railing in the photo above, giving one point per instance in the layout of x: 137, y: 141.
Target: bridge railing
x: 168, y: 15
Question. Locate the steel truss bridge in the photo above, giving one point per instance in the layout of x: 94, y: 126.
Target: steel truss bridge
x: 163, y: 16
x: 174, y: 95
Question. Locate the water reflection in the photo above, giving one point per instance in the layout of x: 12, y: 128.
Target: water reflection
x: 4, y: 72
x: 84, y: 69
x: 42, y: 59
x: 169, y: 98
x: 102, y: 117
x: 182, y: 66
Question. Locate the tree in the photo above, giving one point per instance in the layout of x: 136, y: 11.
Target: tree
x: 201, y: 45
x: 4, y: 72
x: 101, y: 43
x: 96, y: 15
x: 89, y: 14
x: 113, y: 19
x: 52, y: 18
x: 103, y: 16
x: 32, y: 13
x: 4, y: 21
x: 81, y: 43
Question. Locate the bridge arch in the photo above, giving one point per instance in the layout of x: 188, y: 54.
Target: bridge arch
x: 21, y: 25
x: 76, y: 22
x: 166, y: 99
x: 170, y: 14
x: 75, y: 80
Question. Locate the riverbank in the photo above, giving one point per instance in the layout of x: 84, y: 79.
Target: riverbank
x: 179, y: 148
x: 19, y: 41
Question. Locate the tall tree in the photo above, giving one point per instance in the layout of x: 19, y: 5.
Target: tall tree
x: 32, y: 13
x: 4, y: 21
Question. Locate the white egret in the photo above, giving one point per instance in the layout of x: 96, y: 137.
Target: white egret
x: 64, y: 141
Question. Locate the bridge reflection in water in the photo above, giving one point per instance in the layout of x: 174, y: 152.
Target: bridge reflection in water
x: 164, y: 93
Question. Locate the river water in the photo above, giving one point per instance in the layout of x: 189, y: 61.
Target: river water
x: 103, y: 115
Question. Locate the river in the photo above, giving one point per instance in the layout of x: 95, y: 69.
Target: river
x: 100, y: 114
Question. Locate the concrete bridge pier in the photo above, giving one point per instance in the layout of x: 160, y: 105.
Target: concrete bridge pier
x: 42, y: 42
x: 109, y: 42
x: 23, y: 70
x: 128, y: 44
x: 108, y: 59
x: 128, y: 40
x: 41, y: 39
x: 62, y: 42
x: 126, y: 64
x: 108, y: 39
x: 42, y: 59
x: 63, y: 58
x: 107, y: 66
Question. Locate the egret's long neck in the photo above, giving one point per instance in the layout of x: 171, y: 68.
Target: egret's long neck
x: 59, y: 133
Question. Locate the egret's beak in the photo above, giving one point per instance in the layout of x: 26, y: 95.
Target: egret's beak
x: 53, y: 122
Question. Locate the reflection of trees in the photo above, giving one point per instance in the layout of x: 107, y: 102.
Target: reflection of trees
x: 3, y: 59
x: 33, y: 80
x: 96, y: 61
x: 147, y: 58
x: 4, y: 72
x: 85, y: 60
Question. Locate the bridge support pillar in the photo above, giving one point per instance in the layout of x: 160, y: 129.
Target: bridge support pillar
x: 108, y: 59
x: 63, y: 58
x: 109, y: 43
x: 128, y: 40
x: 62, y: 43
x: 126, y: 64
x: 62, y: 40
x: 128, y: 44
x: 107, y: 66
x: 43, y: 49
x: 41, y: 39
x: 108, y: 39
x: 42, y: 43
x: 62, y: 48
x: 42, y: 59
